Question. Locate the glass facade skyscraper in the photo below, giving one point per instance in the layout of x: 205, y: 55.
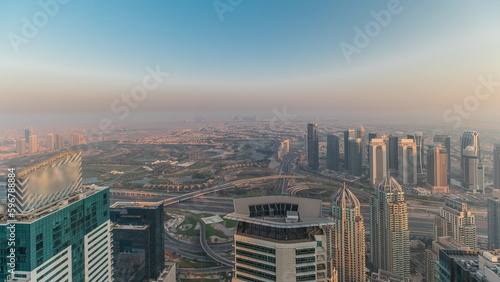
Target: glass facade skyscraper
x: 138, y: 248
x: 66, y: 239
x: 312, y: 146
x: 332, y: 152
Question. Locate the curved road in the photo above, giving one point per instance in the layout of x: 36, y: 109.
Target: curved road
x: 206, y: 247
x: 220, y: 187
x: 196, y: 248
x: 284, y: 168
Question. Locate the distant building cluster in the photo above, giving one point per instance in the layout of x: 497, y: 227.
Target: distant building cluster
x: 30, y: 144
x: 407, y: 159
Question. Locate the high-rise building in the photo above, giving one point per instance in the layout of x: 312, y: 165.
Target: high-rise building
x: 390, y: 236
x: 51, y: 141
x: 76, y: 139
x: 33, y: 144
x: 355, y: 156
x: 283, y: 149
x: 21, y: 146
x: 62, y: 231
x: 371, y: 136
x: 348, y: 135
x: 458, y: 265
x: 494, y: 220
x: 312, y: 146
x: 348, y: 253
x: 418, y: 138
x: 407, y: 161
x: 332, y: 152
x: 28, y: 131
x: 437, y: 169
x: 470, y: 138
x: 138, y: 247
x: 59, y: 141
x: 445, y: 141
x: 432, y: 255
x: 393, y: 153
x: 472, y: 170
x: 496, y: 166
x: 468, y: 265
x: 379, y: 159
x: 457, y: 221
x: 281, y: 238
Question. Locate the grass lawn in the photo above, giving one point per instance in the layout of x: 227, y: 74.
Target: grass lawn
x: 191, y: 231
x: 250, y: 193
x: 199, y: 165
x: 182, y: 174
x: 214, y: 232
x: 185, y: 263
x: 230, y: 223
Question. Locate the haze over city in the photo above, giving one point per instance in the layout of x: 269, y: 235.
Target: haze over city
x: 262, y: 55
x: 250, y: 140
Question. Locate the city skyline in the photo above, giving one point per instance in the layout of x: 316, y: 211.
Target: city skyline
x: 238, y: 140
x: 305, y: 70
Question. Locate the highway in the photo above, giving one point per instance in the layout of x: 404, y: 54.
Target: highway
x: 204, y: 244
x: 223, y: 186
x: 284, y: 169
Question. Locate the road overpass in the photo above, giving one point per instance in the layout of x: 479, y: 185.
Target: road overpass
x: 224, y: 186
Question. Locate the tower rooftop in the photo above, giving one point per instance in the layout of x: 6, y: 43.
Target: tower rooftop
x: 345, y: 198
x: 389, y: 184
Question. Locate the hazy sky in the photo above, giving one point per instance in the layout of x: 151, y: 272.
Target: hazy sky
x: 263, y: 54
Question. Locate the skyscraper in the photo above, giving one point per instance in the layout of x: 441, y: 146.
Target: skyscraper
x: 393, y: 153
x: 332, y: 152
x: 28, y: 131
x: 471, y: 169
x: 378, y: 157
x: 51, y: 141
x: 59, y: 141
x: 138, y: 247
x: 348, y: 252
x: 281, y: 238
x: 76, y: 139
x: 312, y: 146
x: 408, y: 161
x: 355, y: 156
x: 469, y: 138
x: 351, y: 134
x: 418, y: 138
x: 63, y: 228
x: 496, y: 166
x: 33, y: 144
x: 437, y: 169
x: 457, y: 221
x: 283, y: 148
x: 445, y: 140
x: 494, y: 220
x: 21, y: 146
x: 390, y: 236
